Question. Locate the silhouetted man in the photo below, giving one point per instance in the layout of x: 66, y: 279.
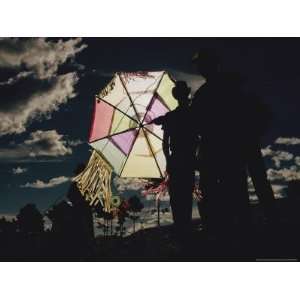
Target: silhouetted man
x: 230, y: 127
x: 179, y: 144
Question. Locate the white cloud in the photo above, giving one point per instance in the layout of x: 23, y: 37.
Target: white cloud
x: 37, y: 89
x: 278, y: 190
x: 267, y: 151
x: 277, y: 156
x: 280, y: 156
x: 132, y: 184
x: 39, y: 143
x: 251, y: 188
x: 40, y: 55
x: 39, y: 184
x: 40, y: 104
x: 8, y: 217
x: 288, y: 141
x: 138, y: 185
x: 47, y: 143
x: 253, y: 198
x: 297, y: 160
x: 284, y: 174
x: 15, y: 79
x: 164, y: 197
x: 19, y: 170
x: 75, y: 143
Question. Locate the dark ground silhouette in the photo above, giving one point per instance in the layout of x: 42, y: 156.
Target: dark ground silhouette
x: 264, y: 239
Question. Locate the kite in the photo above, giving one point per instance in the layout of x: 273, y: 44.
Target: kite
x: 121, y: 129
x: 122, y: 135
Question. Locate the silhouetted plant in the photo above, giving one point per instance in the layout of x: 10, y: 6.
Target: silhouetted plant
x: 108, y: 218
x: 61, y: 216
x: 30, y: 220
x: 135, y: 207
x: 7, y: 227
x: 122, y: 214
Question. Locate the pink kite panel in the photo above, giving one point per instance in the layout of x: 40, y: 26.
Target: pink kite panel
x: 102, y: 119
x: 155, y: 110
x: 125, y: 140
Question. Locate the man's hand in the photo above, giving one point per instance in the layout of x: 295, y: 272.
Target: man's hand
x: 158, y: 121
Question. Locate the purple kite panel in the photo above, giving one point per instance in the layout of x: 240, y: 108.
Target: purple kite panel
x: 125, y: 140
x: 155, y: 110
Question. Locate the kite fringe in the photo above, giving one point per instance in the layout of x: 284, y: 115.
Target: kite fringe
x: 94, y: 182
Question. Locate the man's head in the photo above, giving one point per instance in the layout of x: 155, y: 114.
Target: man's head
x: 207, y: 63
x: 181, y: 92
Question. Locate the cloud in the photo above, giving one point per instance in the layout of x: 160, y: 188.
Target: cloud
x: 267, y: 151
x: 75, y: 143
x: 284, y: 174
x: 280, y: 156
x: 38, y: 87
x: 47, y: 143
x: 39, y: 55
x: 15, y: 79
x: 278, y: 190
x: 19, y: 170
x: 39, y: 184
x: 253, y: 198
x: 14, y: 119
x: 164, y: 197
x: 39, y: 143
x: 277, y: 156
x: 250, y: 185
x: 8, y: 217
x: 288, y: 141
x: 133, y: 184
x: 138, y: 185
x: 194, y: 81
x: 297, y: 160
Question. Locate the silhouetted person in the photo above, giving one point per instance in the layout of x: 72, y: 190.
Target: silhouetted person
x: 230, y: 126
x: 179, y: 144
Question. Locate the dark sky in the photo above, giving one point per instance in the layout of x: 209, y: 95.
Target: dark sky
x: 47, y: 88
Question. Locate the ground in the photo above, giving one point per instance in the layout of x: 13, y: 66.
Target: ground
x: 159, y: 244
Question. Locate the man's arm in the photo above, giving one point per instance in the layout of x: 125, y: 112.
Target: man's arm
x: 166, y: 149
x: 158, y: 121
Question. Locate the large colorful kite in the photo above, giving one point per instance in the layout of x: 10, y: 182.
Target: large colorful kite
x: 121, y: 131
x: 122, y: 135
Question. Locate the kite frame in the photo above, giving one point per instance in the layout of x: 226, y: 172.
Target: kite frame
x: 140, y: 123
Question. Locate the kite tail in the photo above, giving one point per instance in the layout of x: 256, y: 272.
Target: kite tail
x: 94, y: 182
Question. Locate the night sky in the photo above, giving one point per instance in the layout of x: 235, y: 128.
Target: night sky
x: 47, y: 89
